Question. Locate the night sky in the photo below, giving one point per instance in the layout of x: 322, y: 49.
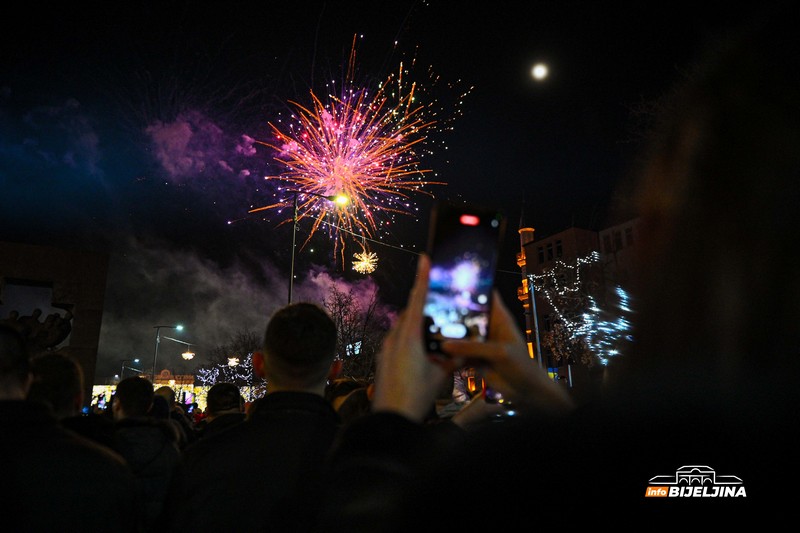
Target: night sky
x: 127, y: 127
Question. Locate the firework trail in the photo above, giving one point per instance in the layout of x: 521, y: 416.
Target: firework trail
x: 363, y: 144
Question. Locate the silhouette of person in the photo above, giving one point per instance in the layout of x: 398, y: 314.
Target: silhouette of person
x: 274, y: 458
x: 150, y: 446
x: 53, y: 478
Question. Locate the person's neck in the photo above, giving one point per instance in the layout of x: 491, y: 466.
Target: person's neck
x: 318, y: 390
x: 210, y: 417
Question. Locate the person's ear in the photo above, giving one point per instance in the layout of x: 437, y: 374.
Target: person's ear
x: 336, y: 369
x: 258, y: 364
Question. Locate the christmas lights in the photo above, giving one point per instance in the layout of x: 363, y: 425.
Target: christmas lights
x: 578, y: 313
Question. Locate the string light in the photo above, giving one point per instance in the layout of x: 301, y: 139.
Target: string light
x: 237, y: 370
x: 563, y: 283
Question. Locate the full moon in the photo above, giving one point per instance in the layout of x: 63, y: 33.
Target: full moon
x: 539, y: 71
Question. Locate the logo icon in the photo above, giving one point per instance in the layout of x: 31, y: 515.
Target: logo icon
x: 695, y: 481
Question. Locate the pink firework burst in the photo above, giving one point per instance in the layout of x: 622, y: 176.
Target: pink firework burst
x: 361, y: 143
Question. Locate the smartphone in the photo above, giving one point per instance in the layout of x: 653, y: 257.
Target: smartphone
x: 463, y: 246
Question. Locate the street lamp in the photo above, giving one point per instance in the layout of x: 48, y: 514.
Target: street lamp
x: 122, y: 370
x: 158, y: 341
x: 188, y: 355
x: 338, y: 199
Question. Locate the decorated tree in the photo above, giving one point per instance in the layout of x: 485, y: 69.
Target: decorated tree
x: 564, y: 346
x: 233, y: 363
x: 588, y: 322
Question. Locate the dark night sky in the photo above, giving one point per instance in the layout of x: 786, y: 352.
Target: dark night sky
x: 120, y: 123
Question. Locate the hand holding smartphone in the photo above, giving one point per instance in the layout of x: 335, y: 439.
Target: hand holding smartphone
x: 463, y: 246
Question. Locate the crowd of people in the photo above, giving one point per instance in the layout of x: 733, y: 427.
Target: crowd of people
x: 708, y: 381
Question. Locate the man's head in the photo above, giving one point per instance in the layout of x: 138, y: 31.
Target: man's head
x: 223, y: 398
x: 338, y: 389
x: 15, y: 373
x: 299, y: 349
x: 168, y: 393
x: 58, y: 382
x: 133, y: 398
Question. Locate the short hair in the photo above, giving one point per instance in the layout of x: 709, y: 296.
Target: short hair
x: 57, y: 381
x: 14, y: 355
x: 135, y: 396
x: 168, y: 393
x: 355, y: 404
x: 341, y: 387
x: 160, y: 408
x: 300, y: 342
x: 223, y: 397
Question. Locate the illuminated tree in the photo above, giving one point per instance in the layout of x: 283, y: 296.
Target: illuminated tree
x: 589, y: 324
x: 566, y: 347
x: 233, y: 363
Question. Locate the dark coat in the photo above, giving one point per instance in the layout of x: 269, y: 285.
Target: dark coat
x: 95, y: 426
x: 573, y: 471
x: 240, y: 478
x: 220, y: 423
x: 56, y: 480
x: 151, y: 448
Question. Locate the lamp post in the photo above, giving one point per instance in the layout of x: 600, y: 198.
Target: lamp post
x: 122, y: 370
x: 339, y: 199
x: 188, y: 355
x: 158, y: 341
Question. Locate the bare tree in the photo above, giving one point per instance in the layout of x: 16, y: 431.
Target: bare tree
x: 361, y: 328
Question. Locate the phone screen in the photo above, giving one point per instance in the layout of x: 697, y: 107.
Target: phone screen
x: 463, y: 248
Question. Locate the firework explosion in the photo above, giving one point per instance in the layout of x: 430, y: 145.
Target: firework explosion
x: 363, y: 144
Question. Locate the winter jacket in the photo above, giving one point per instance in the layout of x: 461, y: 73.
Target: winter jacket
x: 151, y: 448
x: 242, y: 477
